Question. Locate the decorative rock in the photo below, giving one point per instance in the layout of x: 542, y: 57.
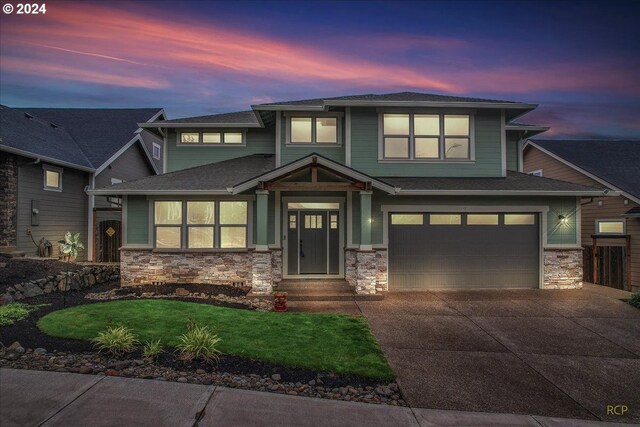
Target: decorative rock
x: 276, y: 377
x: 182, y: 380
x: 182, y: 292
x: 200, y: 371
x: 15, y: 348
x: 40, y: 350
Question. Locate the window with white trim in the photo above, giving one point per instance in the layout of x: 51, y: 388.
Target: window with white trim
x: 212, y: 138
x: 52, y: 178
x: 313, y: 129
x: 156, y: 151
x: 418, y: 136
x: 610, y: 226
x: 200, y: 224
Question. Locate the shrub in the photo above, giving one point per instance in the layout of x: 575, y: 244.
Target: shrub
x: 151, y: 349
x: 635, y: 300
x: 198, y: 342
x: 115, y: 340
x: 11, y: 313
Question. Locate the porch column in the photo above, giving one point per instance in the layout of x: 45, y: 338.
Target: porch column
x: 262, y: 204
x: 365, y: 220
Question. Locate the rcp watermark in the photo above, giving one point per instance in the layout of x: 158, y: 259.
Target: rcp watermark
x: 25, y: 8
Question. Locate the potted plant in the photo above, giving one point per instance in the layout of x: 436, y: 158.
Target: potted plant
x: 279, y: 301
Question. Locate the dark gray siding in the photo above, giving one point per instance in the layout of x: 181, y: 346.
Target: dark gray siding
x: 59, y: 211
x: 129, y: 166
x: 132, y: 164
x: 148, y: 138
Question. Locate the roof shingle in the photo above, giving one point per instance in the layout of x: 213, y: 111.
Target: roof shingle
x: 614, y: 161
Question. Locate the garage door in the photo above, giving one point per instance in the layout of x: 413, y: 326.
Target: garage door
x: 468, y: 251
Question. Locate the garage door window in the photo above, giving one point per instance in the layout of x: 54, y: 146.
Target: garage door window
x: 407, y: 219
x: 445, y: 219
x: 482, y: 219
x: 519, y: 219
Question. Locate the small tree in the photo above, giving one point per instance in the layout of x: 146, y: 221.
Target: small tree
x: 71, y: 247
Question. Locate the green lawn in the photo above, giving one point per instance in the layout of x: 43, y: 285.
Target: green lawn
x: 323, y: 342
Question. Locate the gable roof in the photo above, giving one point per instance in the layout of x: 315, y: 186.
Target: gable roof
x: 213, y: 178
x: 26, y: 134
x: 234, y: 119
x: 613, y: 162
x: 238, y: 175
x: 99, y: 133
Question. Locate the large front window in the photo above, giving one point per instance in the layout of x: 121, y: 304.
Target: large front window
x: 410, y: 136
x: 200, y: 224
x: 313, y: 130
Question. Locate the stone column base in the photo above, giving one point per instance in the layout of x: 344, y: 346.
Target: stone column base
x: 366, y: 271
x: 562, y: 268
x: 262, y: 273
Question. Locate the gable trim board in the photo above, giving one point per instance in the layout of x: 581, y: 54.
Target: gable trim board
x: 121, y: 151
x: 584, y: 172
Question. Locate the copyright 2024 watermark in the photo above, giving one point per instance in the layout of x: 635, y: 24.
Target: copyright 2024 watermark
x: 25, y: 8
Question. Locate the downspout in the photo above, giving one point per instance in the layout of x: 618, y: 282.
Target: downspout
x: 90, y: 219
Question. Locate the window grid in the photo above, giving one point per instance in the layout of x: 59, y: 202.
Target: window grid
x: 314, y: 130
x: 214, y: 138
x: 237, y: 231
x: 442, y: 137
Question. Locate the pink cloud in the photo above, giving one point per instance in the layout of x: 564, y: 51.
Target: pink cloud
x: 100, y: 44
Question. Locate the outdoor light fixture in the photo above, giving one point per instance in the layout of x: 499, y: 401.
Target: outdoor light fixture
x: 600, y: 203
x: 563, y: 219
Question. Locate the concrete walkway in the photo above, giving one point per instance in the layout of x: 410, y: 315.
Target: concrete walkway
x: 35, y: 398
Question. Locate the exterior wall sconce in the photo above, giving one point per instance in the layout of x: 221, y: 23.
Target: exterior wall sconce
x: 563, y: 219
x: 600, y: 203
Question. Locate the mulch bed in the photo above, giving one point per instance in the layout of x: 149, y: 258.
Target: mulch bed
x: 18, y: 270
x: 29, y: 336
x: 170, y: 288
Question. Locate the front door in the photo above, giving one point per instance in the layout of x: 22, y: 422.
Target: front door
x: 313, y: 246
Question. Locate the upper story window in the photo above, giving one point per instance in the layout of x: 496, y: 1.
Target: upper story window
x: 315, y: 129
x: 214, y: 138
x: 156, y: 151
x: 52, y: 178
x: 417, y: 136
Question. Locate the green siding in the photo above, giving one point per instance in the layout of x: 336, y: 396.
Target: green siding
x: 271, y: 227
x: 259, y: 141
x: 513, y: 148
x: 364, y: 149
x: 557, y: 234
x: 137, y: 220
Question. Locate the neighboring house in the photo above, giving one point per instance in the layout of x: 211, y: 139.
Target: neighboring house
x: 403, y: 191
x: 611, y: 224
x: 49, y: 156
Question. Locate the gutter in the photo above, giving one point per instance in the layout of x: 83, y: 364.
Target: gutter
x: 199, y: 125
x: 595, y: 193
x: 45, y: 158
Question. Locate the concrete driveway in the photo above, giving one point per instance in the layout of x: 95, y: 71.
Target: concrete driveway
x: 560, y: 353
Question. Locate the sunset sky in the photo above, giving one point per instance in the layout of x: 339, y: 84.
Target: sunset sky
x: 579, y: 60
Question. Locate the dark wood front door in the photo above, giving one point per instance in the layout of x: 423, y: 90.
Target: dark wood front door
x: 109, y: 241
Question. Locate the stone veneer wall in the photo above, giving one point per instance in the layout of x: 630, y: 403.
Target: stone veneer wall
x: 8, y: 202
x: 366, y: 271
x: 245, y: 268
x: 562, y: 269
x: 84, y: 278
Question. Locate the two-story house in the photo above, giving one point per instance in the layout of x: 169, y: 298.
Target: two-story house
x: 50, y: 156
x: 403, y: 191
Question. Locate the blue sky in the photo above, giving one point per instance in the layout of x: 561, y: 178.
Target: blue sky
x: 578, y: 60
